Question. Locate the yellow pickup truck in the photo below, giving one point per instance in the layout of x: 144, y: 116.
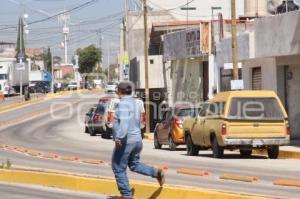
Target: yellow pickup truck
x: 238, y: 120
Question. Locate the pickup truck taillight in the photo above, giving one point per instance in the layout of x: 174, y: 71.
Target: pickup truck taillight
x: 110, y: 117
x: 224, y: 129
x: 288, y: 129
x: 97, y: 118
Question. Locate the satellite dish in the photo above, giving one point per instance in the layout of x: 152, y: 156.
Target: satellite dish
x: 297, y: 2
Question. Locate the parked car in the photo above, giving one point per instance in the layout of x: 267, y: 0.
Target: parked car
x: 39, y: 87
x: 111, y: 87
x: 94, y: 120
x: 72, y: 85
x: 239, y: 120
x: 169, y: 131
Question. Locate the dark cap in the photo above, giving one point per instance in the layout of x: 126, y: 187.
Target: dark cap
x: 126, y: 87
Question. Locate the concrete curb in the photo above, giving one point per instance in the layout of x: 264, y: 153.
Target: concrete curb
x: 108, y: 186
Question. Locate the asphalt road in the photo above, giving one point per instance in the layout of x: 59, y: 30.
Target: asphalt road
x: 18, y: 191
x: 62, y: 133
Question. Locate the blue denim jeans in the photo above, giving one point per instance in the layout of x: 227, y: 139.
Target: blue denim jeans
x: 129, y: 155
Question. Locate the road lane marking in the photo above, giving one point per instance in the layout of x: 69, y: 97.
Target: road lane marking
x: 194, y: 172
x: 285, y: 182
x: 239, y: 178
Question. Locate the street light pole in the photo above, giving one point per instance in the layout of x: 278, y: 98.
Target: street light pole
x: 234, y: 41
x: 52, y: 71
x: 147, y: 101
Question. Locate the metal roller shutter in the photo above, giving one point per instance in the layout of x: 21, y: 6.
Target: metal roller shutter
x: 256, y: 78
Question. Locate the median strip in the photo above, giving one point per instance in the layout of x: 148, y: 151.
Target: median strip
x: 285, y: 182
x: 238, y: 178
x: 107, y: 186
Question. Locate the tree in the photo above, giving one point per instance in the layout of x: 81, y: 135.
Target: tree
x: 48, y: 60
x: 113, y: 71
x: 88, y: 58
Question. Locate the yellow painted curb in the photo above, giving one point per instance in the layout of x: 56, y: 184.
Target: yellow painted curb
x: 108, y: 186
x: 238, y: 178
x: 283, y: 154
x: 20, y: 104
x: 148, y: 136
x: 38, y: 100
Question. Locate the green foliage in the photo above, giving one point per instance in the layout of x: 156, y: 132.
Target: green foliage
x: 88, y: 58
x: 57, y: 60
x: 48, y: 59
x: 112, y: 71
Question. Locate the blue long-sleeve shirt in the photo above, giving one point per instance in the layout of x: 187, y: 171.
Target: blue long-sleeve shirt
x: 127, y: 121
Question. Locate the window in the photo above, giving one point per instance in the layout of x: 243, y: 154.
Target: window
x: 101, y: 109
x: 203, y: 111
x: 184, y: 113
x: 3, y: 77
x: 255, y: 109
x: 151, y: 61
x: 217, y: 108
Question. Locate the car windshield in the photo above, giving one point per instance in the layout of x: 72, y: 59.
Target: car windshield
x: 3, y: 76
x: 111, y: 83
x: 184, y: 113
x: 73, y: 83
x: 255, y: 109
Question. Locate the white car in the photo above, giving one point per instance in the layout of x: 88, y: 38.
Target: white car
x: 111, y: 87
x: 72, y: 86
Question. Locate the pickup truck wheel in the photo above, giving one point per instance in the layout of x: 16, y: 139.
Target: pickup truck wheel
x: 273, y: 152
x: 218, y: 151
x: 192, y: 150
x: 157, y: 145
x: 172, y: 145
x: 245, y: 152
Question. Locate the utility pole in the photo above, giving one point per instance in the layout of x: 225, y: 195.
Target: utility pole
x: 108, y: 62
x: 147, y: 101
x: 66, y: 31
x: 234, y: 41
x: 52, y: 71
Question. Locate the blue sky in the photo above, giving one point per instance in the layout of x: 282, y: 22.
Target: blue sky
x: 103, y: 14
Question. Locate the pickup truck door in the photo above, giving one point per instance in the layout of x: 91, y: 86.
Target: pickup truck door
x: 198, y: 127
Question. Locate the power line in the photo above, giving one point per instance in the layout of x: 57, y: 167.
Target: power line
x: 56, y: 15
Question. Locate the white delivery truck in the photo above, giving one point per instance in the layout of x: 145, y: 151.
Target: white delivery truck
x: 11, y: 78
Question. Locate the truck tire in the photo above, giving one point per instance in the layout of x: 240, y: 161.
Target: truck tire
x: 245, y: 152
x: 172, y: 145
x: 157, y: 145
x: 218, y: 151
x: 192, y: 150
x: 273, y: 152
